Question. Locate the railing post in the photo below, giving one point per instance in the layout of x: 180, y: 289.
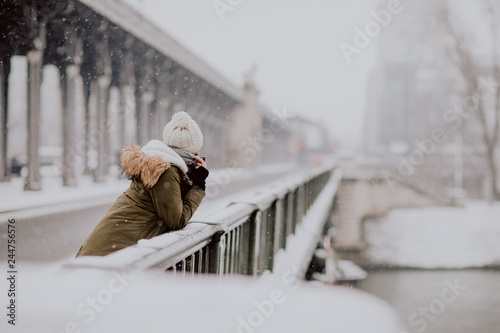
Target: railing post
x: 254, y: 246
x: 296, y: 208
x: 270, y: 236
x: 279, y: 226
x: 290, y: 211
x: 215, y: 253
x: 303, y: 199
x: 303, y: 208
x: 307, y: 194
x: 262, y: 264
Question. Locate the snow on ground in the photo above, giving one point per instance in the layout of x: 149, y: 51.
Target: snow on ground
x: 13, y: 198
x: 89, y: 300
x: 438, y: 237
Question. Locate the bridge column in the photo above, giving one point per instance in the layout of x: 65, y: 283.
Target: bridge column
x: 90, y: 127
x: 103, y: 85
x: 154, y: 119
x: 219, y: 139
x: 162, y: 108
x: 161, y: 101
x: 126, y: 86
x: 4, y: 76
x: 99, y: 98
x: 160, y: 114
x: 125, y: 106
x: 70, y: 71
x: 191, y: 93
x: 144, y: 92
x: 223, y: 119
x: 89, y: 73
x: 144, y: 100
x: 147, y: 99
x: 35, y: 61
x: 155, y: 107
x: 177, y: 89
x: 69, y: 74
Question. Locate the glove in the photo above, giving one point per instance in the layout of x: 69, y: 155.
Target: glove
x: 198, y: 176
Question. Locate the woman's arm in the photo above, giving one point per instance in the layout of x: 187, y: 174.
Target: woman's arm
x: 172, y: 209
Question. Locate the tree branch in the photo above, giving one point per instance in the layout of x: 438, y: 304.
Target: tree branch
x: 496, y: 71
x: 469, y: 70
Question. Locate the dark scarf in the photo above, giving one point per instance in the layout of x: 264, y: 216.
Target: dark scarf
x: 189, y: 159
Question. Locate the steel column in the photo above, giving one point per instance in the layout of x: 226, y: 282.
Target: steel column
x: 103, y: 84
x: 4, y: 75
x: 35, y: 61
x: 69, y: 76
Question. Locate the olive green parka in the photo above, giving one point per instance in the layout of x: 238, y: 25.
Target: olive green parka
x: 160, y: 199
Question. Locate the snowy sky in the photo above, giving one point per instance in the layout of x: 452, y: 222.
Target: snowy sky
x: 295, y: 45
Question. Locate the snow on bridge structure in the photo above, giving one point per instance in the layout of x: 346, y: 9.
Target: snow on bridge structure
x: 370, y: 189
x: 104, y: 49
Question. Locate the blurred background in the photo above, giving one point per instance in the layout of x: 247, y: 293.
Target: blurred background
x: 402, y: 95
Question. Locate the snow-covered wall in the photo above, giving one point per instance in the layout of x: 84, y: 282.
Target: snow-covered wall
x: 440, y: 237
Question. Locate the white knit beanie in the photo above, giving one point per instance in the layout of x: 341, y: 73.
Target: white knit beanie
x: 183, y: 132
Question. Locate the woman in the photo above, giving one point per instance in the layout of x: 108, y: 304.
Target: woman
x: 168, y: 185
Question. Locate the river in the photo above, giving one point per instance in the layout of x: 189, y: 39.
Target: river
x: 440, y: 301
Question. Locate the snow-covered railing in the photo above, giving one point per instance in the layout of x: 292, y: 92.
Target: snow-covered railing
x: 242, y: 238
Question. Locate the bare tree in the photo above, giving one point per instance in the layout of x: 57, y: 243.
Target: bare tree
x: 469, y: 68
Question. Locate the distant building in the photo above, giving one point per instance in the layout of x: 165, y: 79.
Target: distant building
x: 256, y: 135
x: 409, y: 94
x: 243, y: 130
x: 301, y: 140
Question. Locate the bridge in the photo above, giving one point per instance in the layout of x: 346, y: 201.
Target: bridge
x: 370, y: 189
x: 105, y: 48
x: 281, y: 226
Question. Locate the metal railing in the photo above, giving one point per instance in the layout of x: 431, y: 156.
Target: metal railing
x: 242, y: 238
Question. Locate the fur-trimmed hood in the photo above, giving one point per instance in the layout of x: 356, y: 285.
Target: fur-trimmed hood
x: 150, y: 162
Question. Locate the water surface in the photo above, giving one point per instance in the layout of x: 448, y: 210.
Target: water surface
x: 441, y: 301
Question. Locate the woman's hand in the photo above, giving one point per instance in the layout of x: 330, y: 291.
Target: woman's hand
x: 199, y: 173
x: 200, y: 162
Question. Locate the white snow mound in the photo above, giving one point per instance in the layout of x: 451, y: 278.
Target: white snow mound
x: 438, y: 237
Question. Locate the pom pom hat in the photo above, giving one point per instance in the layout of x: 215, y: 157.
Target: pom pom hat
x: 183, y: 132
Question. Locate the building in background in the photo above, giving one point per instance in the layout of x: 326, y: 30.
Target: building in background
x: 257, y: 135
x: 410, y: 92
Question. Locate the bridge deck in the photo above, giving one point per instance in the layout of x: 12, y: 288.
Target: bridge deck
x: 134, y: 23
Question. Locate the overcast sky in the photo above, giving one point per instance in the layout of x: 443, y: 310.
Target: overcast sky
x: 295, y: 45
